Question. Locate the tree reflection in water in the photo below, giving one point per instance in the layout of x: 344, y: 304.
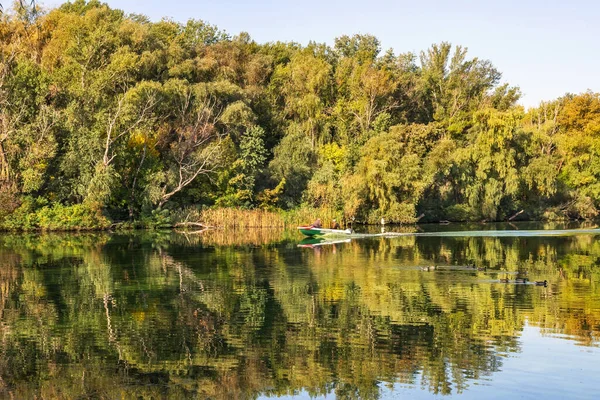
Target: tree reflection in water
x: 165, y: 314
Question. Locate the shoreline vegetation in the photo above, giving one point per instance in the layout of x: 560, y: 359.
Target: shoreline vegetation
x: 79, y: 219
x: 108, y: 117
x: 196, y: 221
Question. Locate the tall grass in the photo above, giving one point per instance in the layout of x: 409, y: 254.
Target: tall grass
x: 231, y: 218
x: 240, y: 218
x: 237, y: 218
x: 307, y: 215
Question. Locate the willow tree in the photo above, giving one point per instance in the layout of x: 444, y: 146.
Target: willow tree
x: 496, y: 161
x: 579, y: 141
x: 390, y: 171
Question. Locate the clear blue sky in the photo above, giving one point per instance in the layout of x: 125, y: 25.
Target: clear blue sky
x: 546, y: 47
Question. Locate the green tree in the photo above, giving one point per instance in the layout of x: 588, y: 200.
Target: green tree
x: 294, y: 160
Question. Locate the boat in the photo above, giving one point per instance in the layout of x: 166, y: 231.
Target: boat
x: 312, y: 231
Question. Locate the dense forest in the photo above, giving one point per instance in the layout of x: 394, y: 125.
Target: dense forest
x: 110, y: 117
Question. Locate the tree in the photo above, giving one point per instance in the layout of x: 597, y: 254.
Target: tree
x: 391, y: 172
x: 305, y: 84
x: 578, y: 144
x: 455, y: 84
x: 368, y: 95
x: 252, y: 157
x: 21, y: 3
x: 294, y: 160
x: 365, y: 48
x: 495, y: 160
x: 241, y: 176
x: 191, y: 143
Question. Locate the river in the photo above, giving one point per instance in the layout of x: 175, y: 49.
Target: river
x: 262, y: 313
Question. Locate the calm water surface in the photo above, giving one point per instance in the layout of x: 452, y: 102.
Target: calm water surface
x: 250, y: 315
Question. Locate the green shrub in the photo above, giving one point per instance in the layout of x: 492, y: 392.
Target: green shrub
x: 459, y: 213
x: 34, y: 214
x: 156, y: 220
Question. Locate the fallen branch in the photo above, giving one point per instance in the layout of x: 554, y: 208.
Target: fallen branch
x: 516, y: 215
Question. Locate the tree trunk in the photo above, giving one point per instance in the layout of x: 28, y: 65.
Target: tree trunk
x: 4, y: 171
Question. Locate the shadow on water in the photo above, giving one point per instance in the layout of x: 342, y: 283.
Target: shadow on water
x: 243, y: 314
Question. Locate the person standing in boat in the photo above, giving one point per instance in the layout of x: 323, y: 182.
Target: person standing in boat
x: 334, y: 224
x: 317, y: 224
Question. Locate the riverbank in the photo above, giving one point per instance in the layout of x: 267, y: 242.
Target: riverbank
x: 32, y: 216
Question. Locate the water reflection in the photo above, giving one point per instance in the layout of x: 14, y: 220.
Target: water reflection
x: 234, y: 316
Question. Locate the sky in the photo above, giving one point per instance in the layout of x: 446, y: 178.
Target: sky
x: 546, y: 47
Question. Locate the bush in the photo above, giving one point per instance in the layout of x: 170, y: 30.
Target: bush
x: 34, y: 214
x: 459, y: 213
x: 156, y: 220
x: 23, y: 217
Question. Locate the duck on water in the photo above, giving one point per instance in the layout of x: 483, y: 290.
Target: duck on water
x: 524, y: 281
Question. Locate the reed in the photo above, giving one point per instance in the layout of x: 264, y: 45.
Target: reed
x: 241, y: 218
x: 234, y: 218
x: 306, y: 215
x: 237, y: 218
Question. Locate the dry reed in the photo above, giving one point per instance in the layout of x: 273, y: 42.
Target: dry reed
x: 237, y: 218
x: 241, y: 218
